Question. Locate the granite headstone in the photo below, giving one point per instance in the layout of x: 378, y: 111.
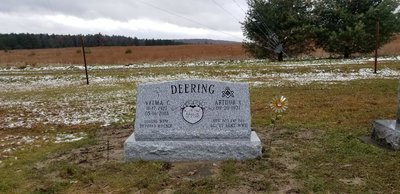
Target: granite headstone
x: 387, y: 132
x: 192, y: 120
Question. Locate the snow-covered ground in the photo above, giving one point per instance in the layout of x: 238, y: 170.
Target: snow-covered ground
x: 67, y: 109
x: 33, y: 78
x: 10, y: 144
x: 27, y: 102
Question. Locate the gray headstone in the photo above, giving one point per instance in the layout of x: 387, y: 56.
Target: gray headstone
x: 398, y: 108
x: 387, y: 132
x: 192, y: 120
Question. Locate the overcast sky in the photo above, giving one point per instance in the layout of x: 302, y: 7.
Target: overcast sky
x: 167, y: 19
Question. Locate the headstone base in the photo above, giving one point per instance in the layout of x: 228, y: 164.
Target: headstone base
x: 384, y: 132
x: 192, y: 150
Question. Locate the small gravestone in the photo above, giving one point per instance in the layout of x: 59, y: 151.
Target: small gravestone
x: 192, y: 120
x: 387, y: 132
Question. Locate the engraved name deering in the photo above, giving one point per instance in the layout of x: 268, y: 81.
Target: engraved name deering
x: 192, y: 88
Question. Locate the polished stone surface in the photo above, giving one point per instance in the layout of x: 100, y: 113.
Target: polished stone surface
x: 192, y: 109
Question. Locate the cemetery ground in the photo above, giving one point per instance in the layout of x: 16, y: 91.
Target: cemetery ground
x: 58, y: 134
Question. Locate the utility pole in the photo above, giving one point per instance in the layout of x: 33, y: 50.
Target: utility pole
x: 84, y: 60
x: 377, y: 45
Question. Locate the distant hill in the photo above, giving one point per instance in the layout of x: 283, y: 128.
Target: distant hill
x: 204, y: 41
x: 37, y: 41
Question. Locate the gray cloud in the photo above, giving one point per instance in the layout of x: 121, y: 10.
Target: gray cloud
x: 165, y: 18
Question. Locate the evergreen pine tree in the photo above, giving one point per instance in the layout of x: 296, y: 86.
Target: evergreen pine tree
x: 347, y: 27
x: 276, y: 27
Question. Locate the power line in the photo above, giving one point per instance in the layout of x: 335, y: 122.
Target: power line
x: 186, y: 18
x: 239, y: 6
x: 271, y: 38
x: 274, y: 37
x: 228, y: 12
x: 220, y: 6
x: 259, y: 17
x: 271, y: 35
x: 271, y: 43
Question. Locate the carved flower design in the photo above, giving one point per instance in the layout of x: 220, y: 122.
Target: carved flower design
x: 279, y: 104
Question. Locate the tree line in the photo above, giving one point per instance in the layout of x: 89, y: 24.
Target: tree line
x: 278, y: 28
x: 40, y: 41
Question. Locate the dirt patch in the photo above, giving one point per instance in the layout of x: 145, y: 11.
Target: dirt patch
x: 283, y: 149
x: 193, y: 170
x: 280, y: 151
x: 109, y: 147
x: 308, y: 134
x: 353, y: 181
x: 240, y: 190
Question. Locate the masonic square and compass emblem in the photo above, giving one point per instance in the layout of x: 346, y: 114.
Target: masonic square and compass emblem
x: 227, y: 93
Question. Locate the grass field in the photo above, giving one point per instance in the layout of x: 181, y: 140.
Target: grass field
x: 122, y: 55
x: 146, y: 54
x: 59, y: 135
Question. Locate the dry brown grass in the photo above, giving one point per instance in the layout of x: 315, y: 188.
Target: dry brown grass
x: 143, y: 54
x: 389, y: 49
x: 392, y: 48
x: 118, y: 55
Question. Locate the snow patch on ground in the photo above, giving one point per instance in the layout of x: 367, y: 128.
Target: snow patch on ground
x: 117, y: 106
x: 13, y: 143
x: 66, y: 138
x: 34, y: 82
x: 318, y: 62
x: 329, y: 77
x: 77, y: 109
